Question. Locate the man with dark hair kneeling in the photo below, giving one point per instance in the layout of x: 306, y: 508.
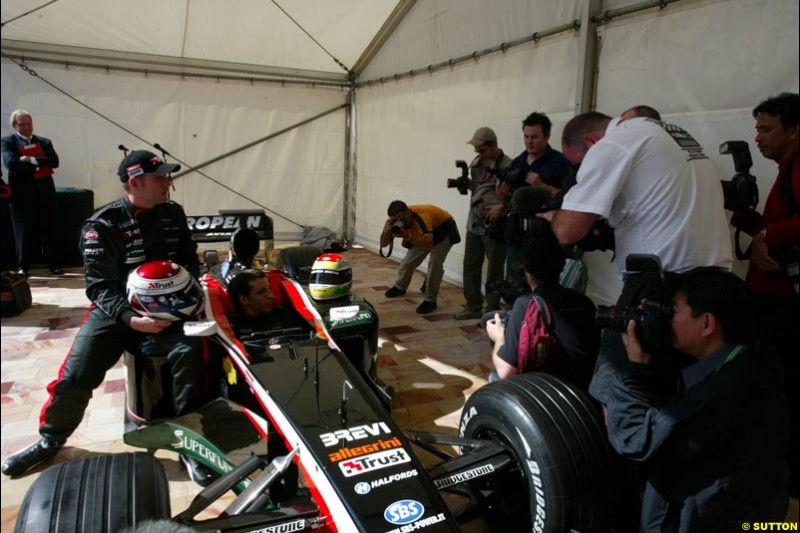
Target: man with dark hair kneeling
x: 572, y: 313
x: 716, y: 452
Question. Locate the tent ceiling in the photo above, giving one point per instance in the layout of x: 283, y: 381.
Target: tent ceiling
x: 248, y: 37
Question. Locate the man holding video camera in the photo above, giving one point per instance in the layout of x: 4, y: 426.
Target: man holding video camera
x: 425, y: 229
x: 730, y: 408
x: 772, y: 276
x: 659, y: 192
x: 484, y: 208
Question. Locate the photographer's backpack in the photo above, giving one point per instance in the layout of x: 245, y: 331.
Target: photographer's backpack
x: 538, y: 347
x: 16, y: 294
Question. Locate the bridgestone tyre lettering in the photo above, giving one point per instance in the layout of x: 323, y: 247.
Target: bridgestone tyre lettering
x: 96, y: 494
x: 558, y: 439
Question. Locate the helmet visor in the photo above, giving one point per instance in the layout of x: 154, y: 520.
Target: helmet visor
x: 331, y: 277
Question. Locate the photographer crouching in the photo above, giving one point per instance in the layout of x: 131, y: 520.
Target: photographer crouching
x: 698, y: 446
x: 425, y: 229
x: 570, y: 319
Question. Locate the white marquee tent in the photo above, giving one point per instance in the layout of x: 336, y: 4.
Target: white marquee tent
x: 325, y: 111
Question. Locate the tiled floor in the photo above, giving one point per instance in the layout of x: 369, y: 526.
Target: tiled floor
x: 434, y: 362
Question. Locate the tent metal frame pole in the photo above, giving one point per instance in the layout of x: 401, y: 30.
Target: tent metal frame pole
x: 387, y: 29
x: 610, y: 14
x: 474, y: 56
x: 350, y: 176
x: 587, y: 62
x: 254, y: 143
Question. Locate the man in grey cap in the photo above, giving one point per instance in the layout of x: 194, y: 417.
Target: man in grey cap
x: 484, y: 208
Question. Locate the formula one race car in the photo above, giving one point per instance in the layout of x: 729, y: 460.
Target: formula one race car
x: 304, y: 436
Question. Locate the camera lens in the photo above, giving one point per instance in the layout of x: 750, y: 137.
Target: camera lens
x: 398, y: 226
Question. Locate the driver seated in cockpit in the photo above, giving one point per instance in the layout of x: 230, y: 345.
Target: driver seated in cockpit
x: 255, y: 305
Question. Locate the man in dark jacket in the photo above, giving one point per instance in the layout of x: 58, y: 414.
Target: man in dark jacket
x: 716, y: 452
x: 30, y: 160
x: 142, y: 226
x: 572, y: 315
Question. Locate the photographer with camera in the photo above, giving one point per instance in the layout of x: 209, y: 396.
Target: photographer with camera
x: 731, y: 408
x: 659, y: 192
x: 425, y: 229
x: 485, y: 207
x: 772, y: 275
x: 571, y: 313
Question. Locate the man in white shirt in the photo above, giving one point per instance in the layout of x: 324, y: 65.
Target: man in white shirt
x: 659, y: 192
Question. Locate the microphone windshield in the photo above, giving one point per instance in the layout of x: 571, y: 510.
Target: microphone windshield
x: 530, y: 200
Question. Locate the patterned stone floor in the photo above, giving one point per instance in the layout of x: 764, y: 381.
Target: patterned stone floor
x: 434, y: 362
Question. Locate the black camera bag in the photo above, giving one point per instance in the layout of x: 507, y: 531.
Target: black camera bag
x: 16, y: 294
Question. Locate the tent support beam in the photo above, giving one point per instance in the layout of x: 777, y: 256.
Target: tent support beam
x: 350, y: 181
x: 587, y: 62
x: 129, y: 61
x: 392, y: 22
x: 220, y: 157
x: 474, y: 56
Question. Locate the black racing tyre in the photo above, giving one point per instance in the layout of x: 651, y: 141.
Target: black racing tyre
x: 102, y: 494
x: 558, y: 440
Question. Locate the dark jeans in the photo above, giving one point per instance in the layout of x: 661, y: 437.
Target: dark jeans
x: 96, y: 349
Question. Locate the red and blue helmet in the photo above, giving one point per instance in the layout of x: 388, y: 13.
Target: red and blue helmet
x: 164, y: 290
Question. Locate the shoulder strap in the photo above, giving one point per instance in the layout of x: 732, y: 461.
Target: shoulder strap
x: 420, y: 222
x: 545, y: 310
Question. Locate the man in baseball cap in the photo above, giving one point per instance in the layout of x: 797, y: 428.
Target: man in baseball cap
x: 140, y: 162
x: 485, y: 207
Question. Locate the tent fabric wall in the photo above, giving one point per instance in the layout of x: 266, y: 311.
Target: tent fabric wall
x: 437, y: 30
x: 704, y: 64
x: 253, y: 32
x: 411, y: 131
x: 298, y: 174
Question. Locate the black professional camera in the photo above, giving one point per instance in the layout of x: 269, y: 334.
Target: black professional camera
x: 652, y: 315
x: 462, y: 182
x: 741, y: 191
x: 398, y: 225
x: 600, y: 237
x: 511, y: 288
x: 521, y: 221
x: 513, y: 176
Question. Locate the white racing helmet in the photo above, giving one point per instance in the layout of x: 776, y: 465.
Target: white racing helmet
x: 165, y: 290
x: 331, y: 277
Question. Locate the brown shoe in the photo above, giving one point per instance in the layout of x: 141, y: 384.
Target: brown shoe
x: 468, y: 314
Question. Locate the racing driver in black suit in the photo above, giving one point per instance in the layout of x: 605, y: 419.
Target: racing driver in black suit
x: 142, y: 226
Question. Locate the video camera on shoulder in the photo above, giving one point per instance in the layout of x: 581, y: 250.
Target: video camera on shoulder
x: 461, y: 182
x: 652, y: 315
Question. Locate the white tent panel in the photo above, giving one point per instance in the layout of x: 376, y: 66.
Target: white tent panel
x: 411, y: 131
x: 438, y: 30
x: 298, y: 174
x: 704, y: 66
x: 241, y: 31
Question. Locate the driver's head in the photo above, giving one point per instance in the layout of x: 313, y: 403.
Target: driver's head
x: 145, y: 178
x: 250, y: 293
